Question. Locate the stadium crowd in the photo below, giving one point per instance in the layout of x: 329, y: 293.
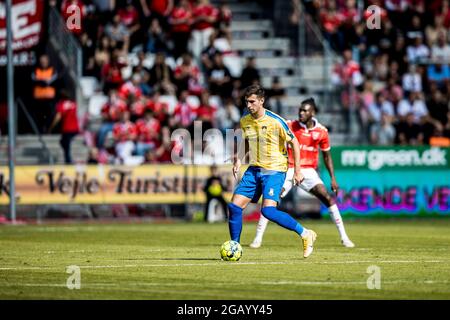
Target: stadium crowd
x: 396, y: 78
x: 395, y: 70
x: 179, y: 49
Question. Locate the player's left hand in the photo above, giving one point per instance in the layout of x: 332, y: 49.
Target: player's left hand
x: 334, y: 186
x: 298, y: 178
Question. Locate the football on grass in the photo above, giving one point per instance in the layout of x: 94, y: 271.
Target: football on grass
x: 231, y: 251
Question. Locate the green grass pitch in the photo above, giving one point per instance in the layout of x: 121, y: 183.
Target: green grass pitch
x: 181, y: 261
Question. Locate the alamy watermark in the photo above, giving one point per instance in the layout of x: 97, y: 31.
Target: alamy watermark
x: 74, y: 280
x: 374, y: 18
x: 73, y: 21
x: 374, y: 280
x: 219, y: 147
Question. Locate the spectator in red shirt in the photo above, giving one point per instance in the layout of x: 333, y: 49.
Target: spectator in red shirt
x: 112, y: 72
x: 130, y: 18
x: 206, y: 112
x: 181, y: 21
x: 184, y: 113
x: 148, y: 131
x: 137, y: 107
x: 131, y: 89
x: 110, y: 114
x: 187, y: 76
x: 66, y: 113
x: 125, y: 134
x: 163, y: 152
x: 331, y: 21
x: 160, y: 109
x: 159, y: 9
x: 205, y: 17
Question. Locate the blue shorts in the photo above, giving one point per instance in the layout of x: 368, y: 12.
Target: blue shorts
x: 257, y: 181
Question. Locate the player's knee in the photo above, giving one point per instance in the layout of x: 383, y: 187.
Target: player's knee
x: 269, y: 212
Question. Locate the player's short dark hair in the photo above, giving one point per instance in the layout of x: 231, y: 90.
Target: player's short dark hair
x: 311, y: 102
x: 255, y: 89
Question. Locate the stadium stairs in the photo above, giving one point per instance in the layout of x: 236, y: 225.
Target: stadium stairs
x: 254, y: 34
x: 29, y: 150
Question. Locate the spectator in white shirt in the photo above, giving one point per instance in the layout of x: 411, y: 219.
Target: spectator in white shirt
x: 417, y: 52
x: 383, y: 133
x: 415, y: 105
x: 411, y: 81
x: 441, y: 49
x: 380, y: 106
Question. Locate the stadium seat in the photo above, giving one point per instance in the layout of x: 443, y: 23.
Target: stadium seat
x: 127, y: 71
x: 194, y: 101
x: 234, y: 64
x: 96, y: 102
x: 171, y: 102
x: 149, y: 60
x: 215, y: 101
x: 89, y: 85
x: 171, y: 63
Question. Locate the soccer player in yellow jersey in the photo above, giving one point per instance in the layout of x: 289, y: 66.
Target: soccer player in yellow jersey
x: 266, y: 135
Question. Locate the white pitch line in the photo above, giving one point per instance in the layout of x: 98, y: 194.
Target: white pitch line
x: 222, y: 263
x: 350, y: 282
x: 269, y: 283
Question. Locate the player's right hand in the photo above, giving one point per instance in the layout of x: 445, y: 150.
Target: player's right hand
x: 334, y: 186
x: 298, y: 178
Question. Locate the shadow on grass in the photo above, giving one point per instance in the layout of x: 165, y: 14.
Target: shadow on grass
x: 172, y: 259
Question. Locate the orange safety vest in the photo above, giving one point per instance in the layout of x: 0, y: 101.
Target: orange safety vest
x: 44, y: 92
x: 439, y: 142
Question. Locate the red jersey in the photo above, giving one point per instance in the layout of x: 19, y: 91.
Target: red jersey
x: 160, y: 109
x: 128, y: 88
x: 310, y: 140
x: 192, y: 70
x: 148, y: 130
x: 138, y: 108
x: 69, y: 120
x: 112, y: 110
x: 124, y: 131
x: 159, y: 6
x: 331, y: 22
x: 205, y: 10
x: 129, y: 17
x: 184, y: 113
x: 206, y: 112
x: 111, y: 72
x: 178, y: 14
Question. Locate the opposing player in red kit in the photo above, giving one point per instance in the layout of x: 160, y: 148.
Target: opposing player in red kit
x: 311, y: 136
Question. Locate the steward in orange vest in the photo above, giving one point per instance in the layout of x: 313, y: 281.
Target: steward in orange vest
x: 44, y: 76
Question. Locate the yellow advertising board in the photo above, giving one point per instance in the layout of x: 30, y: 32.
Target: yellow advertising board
x: 106, y: 184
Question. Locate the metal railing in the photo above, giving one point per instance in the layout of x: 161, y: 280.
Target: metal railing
x: 46, y: 151
x: 65, y: 49
x: 311, y: 42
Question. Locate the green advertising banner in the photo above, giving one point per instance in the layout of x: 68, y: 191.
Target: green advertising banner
x: 391, y: 181
x: 397, y: 158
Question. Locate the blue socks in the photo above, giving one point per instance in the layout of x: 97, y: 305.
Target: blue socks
x: 282, y: 219
x: 235, y: 222
x: 272, y: 213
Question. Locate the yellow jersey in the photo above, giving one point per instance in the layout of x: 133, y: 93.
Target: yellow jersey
x: 267, y: 137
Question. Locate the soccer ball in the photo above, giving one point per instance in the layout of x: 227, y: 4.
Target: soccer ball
x: 231, y: 251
